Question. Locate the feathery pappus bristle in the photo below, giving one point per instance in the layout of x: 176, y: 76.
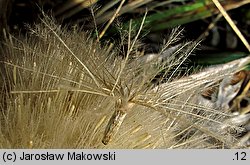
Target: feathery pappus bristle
x: 63, y: 90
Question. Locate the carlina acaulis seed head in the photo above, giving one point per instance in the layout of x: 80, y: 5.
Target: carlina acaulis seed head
x: 66, y: 91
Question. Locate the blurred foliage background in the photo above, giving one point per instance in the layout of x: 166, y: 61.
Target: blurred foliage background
x: 200, y: 19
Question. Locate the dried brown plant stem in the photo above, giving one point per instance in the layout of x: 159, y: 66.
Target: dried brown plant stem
x: 210, y: 26
x: 94, y: 20
x: 111, y: 20
x: 232, y: 24
x: 71, y: 7
x: 101, y: 17
x: 105, y: 8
